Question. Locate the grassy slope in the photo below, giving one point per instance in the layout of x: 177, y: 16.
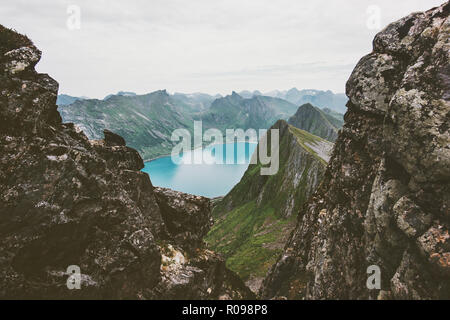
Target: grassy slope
x: 245, y: 236
x: 304, y: 138
x: 252, y: 233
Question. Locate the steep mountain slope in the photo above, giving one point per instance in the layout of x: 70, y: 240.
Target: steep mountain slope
x: 385, y: 197
x: 145, y: 121
x: 67, y: 201
x: 321, y: 99
x: 316, y: 121
x: 256, y: 216
x: 234, y: 111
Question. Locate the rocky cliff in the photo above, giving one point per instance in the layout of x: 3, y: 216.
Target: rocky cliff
x: 385, y: 197
x: 256, y: 217
x: 66, y: 200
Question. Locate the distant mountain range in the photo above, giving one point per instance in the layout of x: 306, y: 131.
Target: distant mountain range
x: 120, y: 93
x: 64, y: 99
x: 319, y: 98
x: 195, y: 102
x: 147, y: 121
x: 322, y: 99
x: 248, y: 94
x: 235, y: 111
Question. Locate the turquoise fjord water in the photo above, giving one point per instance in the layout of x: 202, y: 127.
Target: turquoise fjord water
x: 209, y: 179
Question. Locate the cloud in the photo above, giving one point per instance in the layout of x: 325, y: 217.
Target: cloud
x: 203, y: 45
x: 313, y: 67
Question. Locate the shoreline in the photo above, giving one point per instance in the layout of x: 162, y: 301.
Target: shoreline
x: 212, y: 144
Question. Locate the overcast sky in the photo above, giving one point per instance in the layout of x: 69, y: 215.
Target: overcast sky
x: 212, y: 46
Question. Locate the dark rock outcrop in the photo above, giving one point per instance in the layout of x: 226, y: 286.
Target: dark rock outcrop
x: 112, y: 139
x: 187, y: 217
x: 385, y: 197
x: 65, y: 200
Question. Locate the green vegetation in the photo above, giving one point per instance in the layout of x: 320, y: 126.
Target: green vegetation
x: 304, y: 138
x: 254, y: 220
x: 251, y: 237
x: 256, y: 217
x: 146, y: 122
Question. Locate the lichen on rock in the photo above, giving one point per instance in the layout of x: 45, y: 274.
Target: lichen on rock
x: 386, y: 192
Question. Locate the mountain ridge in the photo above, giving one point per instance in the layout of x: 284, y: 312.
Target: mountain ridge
x: 317, y: 122
x: 255, y: 218
x: 147, y: 121
x: 322, y: 99
x: 235, y: 111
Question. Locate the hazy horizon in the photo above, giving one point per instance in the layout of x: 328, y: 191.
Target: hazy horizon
x: 203, y: 46
x: 198, y: 92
